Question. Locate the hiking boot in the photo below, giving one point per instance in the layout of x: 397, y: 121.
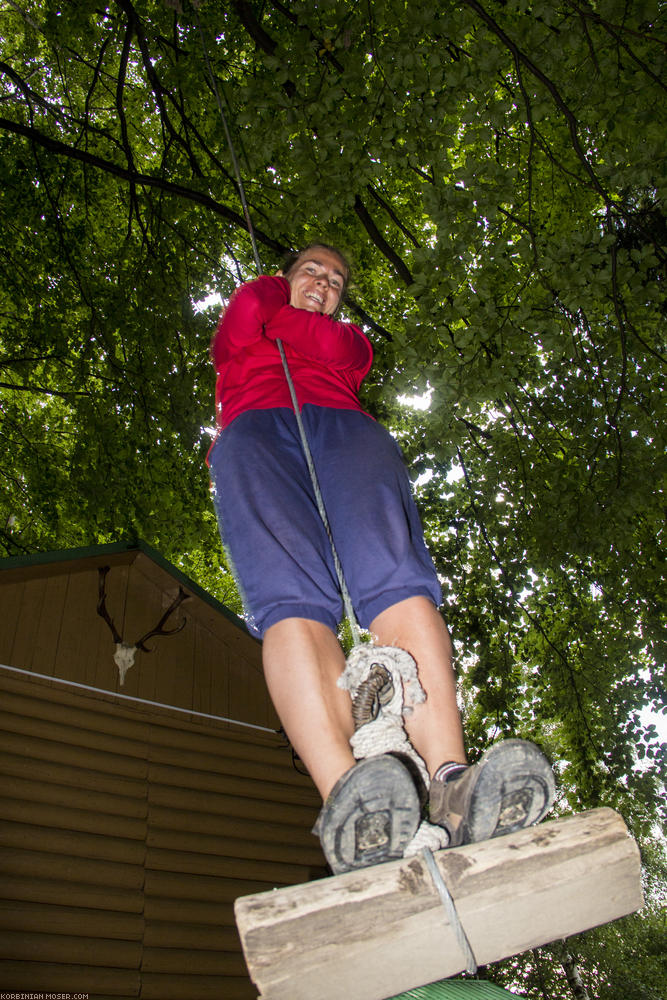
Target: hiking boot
x: 370, y: 816
x: 512, y: 786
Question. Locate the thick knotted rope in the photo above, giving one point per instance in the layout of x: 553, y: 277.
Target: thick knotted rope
x: 384, y: 686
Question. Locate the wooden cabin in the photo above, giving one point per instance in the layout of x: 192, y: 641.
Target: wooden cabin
x: 134, y: 815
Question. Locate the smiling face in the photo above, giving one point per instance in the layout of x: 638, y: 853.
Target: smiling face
x: 317, y: 279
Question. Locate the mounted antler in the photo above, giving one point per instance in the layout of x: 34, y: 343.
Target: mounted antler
x: 159, y: 630
x: 102, y: 607
x: 125, y: 651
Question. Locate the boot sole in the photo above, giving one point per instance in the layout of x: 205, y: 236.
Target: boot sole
x: 515, y: 789
x: 511, y: 787
x: 371, y: 815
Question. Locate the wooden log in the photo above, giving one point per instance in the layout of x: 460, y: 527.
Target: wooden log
x: 379, y: 931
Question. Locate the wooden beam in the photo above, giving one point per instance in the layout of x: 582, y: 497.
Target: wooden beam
x: 376, y: 932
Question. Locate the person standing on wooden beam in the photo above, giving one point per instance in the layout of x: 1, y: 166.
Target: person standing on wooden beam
x: 281, y: 556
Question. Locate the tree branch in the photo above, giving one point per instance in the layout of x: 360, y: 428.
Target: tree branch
x: 573, y: 125
x: 392, y: 215
x: 41, y: 391
x: 199, y: 197
x: 328, y: 56
x: 361, y: 314
x: 262, y: 40
x: 158, y: 90
x: 380, y: 242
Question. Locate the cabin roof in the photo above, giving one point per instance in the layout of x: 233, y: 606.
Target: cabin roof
x: 116, y: 553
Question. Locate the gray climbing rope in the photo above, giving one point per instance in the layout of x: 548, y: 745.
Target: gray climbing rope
x: 451, y: 911
x: 366, y: 679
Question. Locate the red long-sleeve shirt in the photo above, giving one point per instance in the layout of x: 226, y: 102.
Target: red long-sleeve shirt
x: 328, y: 360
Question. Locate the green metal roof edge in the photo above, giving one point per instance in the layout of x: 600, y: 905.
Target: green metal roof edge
x: 63, y: 555
x: 115, y: 548
x: 457, y: 989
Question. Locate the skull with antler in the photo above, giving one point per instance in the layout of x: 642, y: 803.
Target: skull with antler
x: 125, y: 652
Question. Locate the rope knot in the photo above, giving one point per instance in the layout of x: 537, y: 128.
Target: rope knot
x: 367, y: 661
x: 384, y: 687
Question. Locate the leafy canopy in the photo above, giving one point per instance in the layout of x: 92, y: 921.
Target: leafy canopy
x: 496, y: 172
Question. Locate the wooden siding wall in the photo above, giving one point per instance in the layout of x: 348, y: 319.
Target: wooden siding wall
x: 127, y: 834
x: 50, y: 625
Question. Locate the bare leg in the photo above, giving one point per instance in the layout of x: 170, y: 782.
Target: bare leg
x: 434, y: 728
x: 302, y: 662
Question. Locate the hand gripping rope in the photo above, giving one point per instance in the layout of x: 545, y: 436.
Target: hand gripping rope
x: 375, y: 676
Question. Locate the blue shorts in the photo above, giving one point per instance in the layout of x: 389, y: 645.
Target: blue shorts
x: 273, y: 533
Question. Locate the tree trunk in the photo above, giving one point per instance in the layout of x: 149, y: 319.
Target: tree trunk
x: 574, y: 981
x: 540, y: 973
